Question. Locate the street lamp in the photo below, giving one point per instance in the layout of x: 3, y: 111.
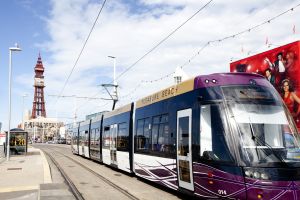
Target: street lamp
x: 113, y: 57
x: 11, y: 49
x: 115, y: 83
x: 113, y: 96
x: 23, y: 96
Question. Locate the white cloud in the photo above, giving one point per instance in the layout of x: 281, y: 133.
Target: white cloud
x: 128, y: 35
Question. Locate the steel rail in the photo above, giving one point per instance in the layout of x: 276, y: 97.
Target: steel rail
x: 69, y: 182
x: 123, y: 191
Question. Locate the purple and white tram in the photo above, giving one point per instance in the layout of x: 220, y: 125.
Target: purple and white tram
x: 215, y: 136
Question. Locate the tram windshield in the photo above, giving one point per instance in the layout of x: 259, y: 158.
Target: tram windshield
x: 264, y: 128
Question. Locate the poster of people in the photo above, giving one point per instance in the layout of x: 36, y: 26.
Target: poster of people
x: 281, y: 67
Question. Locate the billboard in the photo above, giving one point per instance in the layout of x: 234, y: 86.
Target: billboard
x: 281, y: 66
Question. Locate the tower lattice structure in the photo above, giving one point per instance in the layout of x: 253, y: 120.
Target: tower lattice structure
x: 38, y: 108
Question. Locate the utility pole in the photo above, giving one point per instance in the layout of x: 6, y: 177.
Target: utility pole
x: 114, y: 95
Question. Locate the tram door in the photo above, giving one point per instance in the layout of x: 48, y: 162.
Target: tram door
x: 113, y: 144
x: 184, y: 149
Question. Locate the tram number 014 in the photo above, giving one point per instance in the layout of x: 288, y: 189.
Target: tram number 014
x: 222, y: 192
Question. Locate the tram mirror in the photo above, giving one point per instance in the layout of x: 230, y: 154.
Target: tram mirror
x: 106, y: 128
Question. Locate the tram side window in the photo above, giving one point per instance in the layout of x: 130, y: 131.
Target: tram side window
x: 86, y: 137
x: 162, y: 140
x: 143, y: 135
x: 106, y: 137
x: 213, y: 145
x: 123, y: 137
x: 92, y: 137
x: 97, y: 137
x: 75, y: 138
x: 81, y: 138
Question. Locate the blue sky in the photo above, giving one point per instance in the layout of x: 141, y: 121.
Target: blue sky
x: 23, y: 22
x: 126, y: 29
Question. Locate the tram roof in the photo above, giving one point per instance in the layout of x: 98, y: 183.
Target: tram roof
x: 202, y: 81
x: 86, y: 122
x: 117, y: 111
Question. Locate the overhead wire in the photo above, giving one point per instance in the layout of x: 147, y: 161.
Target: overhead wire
x: 159, y: 43
x: 247, y: 30
x: 198, y: 52
x: 81, y: 51
x: 163, y: 40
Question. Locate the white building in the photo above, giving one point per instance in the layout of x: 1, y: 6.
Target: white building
x: 42, y: 129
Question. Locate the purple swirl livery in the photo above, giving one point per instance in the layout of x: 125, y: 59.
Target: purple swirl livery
x: 209, y: 186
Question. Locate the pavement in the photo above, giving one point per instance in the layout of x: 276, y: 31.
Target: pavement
x: 2, y: 156
x: 28, y: 177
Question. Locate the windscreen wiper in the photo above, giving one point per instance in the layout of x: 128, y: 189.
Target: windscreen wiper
x: 259, y: 141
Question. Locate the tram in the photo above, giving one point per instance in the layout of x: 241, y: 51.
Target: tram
x: 225, y: 135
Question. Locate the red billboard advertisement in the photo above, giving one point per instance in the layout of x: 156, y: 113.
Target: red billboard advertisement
x: 281, y: 66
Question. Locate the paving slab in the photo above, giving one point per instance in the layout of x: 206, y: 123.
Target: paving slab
x: 55, y: 191
x: 21, y: 176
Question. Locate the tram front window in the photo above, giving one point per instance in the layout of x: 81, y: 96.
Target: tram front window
x: 264, y: 129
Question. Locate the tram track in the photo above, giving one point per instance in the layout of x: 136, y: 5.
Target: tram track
x: 69, y: 182
x: 76, y: 192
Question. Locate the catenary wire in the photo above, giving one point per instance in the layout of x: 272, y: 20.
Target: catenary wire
x: 81, y: 51
x: 158, y: 44
x: 163, y: 40
x: 206, y: 45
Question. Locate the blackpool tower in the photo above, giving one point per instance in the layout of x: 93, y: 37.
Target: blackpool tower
x: 38, y: 108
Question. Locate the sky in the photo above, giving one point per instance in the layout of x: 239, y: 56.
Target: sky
x: 127, y: 30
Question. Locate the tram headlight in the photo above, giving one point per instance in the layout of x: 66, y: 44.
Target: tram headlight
x: 256, y: 175
x: 264, y: 176
x: 249, y: 173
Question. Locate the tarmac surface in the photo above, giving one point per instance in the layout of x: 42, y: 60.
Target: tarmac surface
x: 28, y: 177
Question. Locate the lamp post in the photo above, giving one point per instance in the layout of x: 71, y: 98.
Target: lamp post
x: 23, y: 96
x: 114, y: 95
x: 11, y: 49
x: 115, y: 83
